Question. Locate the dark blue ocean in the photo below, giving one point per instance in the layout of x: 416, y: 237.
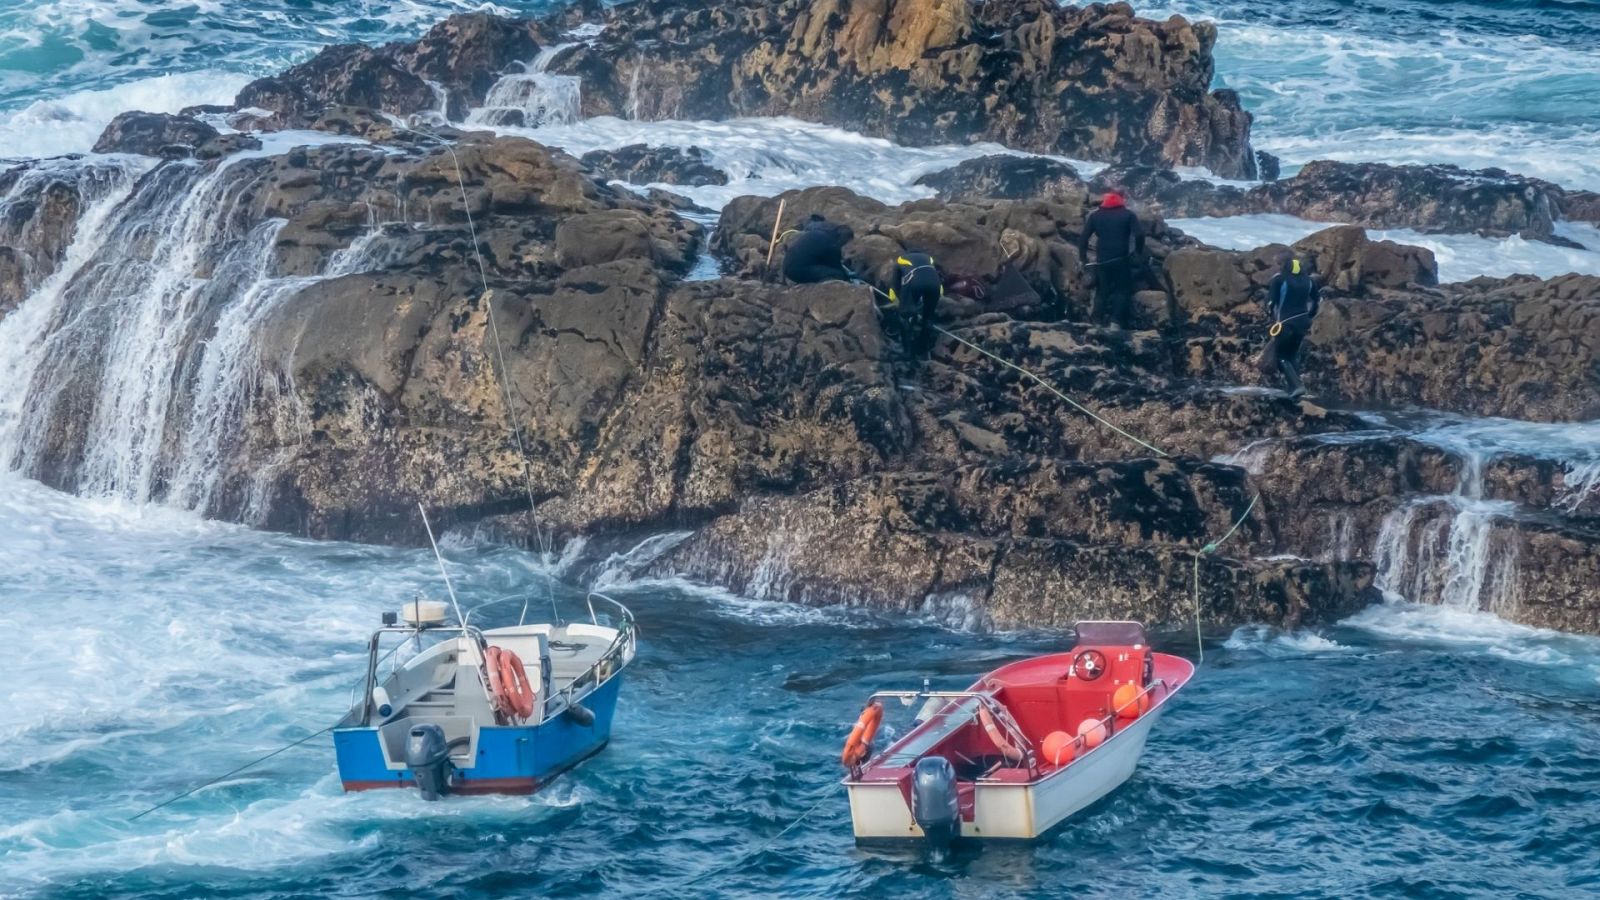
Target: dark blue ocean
x: 1412, y: 751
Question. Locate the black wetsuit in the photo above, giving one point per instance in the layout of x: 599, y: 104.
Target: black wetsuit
x: 1118, y: 239
x: 817, y: 254
x: 916, y: 292
x: 1292, y: 301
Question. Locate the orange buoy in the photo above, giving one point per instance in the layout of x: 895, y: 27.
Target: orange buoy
x: 516, y: 692
x: 1093, y: 732
x: 859, y: 744
x: 1130, y: 701
x: 1059, y: 748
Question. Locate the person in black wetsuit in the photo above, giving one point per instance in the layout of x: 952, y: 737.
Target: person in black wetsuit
x: 817, y: 253
x: 1118, y: 242
x: 1293, y: 298
x: 914, y: 293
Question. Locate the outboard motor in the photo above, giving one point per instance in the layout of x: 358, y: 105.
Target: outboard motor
x: 428, y: 758
x: 935, y: 804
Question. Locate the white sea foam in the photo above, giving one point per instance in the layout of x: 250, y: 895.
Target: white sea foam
x: 1460, y: 256
x: 71, y: 124
x: 1278, y: 643
x: 1521, y: 102
x: 1473, y: 631
x: 767, y: 156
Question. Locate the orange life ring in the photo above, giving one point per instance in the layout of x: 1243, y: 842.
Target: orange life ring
x: 1010, y: 751
x: 859, y: 744
x: 508, y: 681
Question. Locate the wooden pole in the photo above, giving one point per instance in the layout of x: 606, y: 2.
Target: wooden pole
x: 773, y: 244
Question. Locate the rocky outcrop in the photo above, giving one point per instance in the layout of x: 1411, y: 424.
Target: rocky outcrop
x: 642, y: 403
x: 1095, y: 82
x: 1422, y: 198
x: 151, y: 134
x: 1006, y: 177
x: 643, y: 164
x: 1036, y: 544
x: 1520, y: 347
x: 169, y: 137
x: 41, y: 203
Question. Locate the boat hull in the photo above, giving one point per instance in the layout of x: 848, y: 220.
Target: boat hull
x: 880, y: 811
x: 508, y: 759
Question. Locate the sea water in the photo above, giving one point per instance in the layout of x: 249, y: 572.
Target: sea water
x: 1412, y: 750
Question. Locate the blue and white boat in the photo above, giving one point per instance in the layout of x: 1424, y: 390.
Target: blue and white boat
x: 470, y: 711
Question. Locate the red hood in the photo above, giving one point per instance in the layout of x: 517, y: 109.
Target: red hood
x: 1112, y: 201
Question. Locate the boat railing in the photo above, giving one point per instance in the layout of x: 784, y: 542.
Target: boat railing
x: 986, y: 699
x: 408, y: 631
x: 615, y: 655
x: 1109, y: 721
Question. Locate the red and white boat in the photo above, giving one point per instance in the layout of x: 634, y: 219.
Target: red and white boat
x: 1025, y: 747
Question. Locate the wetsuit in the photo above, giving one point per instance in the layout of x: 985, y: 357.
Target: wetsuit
x: 915, y: 293
x: 817, y: 254
x: 1292, y: 301
x: 1118, y: 238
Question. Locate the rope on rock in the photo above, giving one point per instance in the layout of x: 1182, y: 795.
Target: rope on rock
x: 1207, y: 549
x: 1054, y: 390
x: 1199, y: 642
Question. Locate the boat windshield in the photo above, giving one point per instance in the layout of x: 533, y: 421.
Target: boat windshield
x: 1116, y: 634
x: 941, y: 725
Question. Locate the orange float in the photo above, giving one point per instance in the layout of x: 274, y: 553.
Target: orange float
x: 1093, y: 732
x: 1012, y: 753
x: 1059, y: 748
x: 859, y: 744
x: 1130, y: 701
x: 508, y: 682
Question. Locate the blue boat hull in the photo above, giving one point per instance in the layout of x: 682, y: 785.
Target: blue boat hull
x: 511, y: 759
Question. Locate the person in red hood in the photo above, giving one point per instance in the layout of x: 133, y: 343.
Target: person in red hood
x: 1118, y: 241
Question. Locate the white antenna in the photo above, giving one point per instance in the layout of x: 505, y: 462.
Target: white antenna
x: 440, y: 557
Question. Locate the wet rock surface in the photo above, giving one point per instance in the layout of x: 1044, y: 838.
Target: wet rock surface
x: 1005, y: 177
x: 783, y: 432
x: 643, y: 164
x: 169, y: 137
x: 920, y: 71
x: 1438, y: 198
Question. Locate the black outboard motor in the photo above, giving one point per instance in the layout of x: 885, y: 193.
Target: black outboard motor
x: 428, y: 758
x: 935, y: 805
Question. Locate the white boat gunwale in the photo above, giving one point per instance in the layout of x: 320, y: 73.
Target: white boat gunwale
x: 881, y: 801
x: 1014, y: 731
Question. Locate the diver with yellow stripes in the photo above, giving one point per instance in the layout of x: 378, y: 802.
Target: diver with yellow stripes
x: 915, y: 289
x: 1293, y: 299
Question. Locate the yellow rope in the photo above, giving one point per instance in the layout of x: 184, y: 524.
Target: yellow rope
x: 1054, y: 390
x: 1199, y: 642
x: 1207, y: 549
